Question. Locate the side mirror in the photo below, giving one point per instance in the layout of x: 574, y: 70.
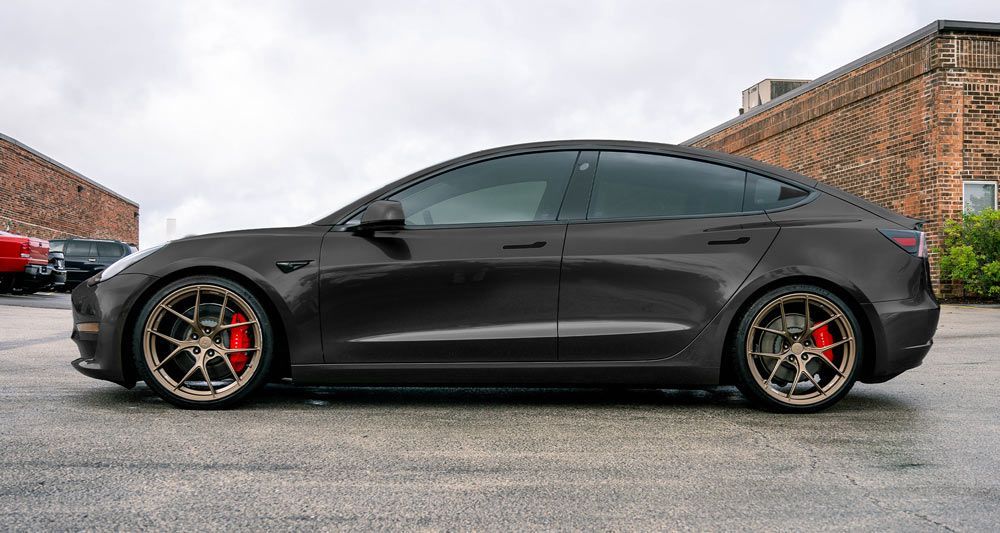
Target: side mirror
x: 382, y: 214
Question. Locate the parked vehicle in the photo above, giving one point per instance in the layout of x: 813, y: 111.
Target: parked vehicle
x: 24, y: 263
x: 86, y: 257
x: 561, y: 263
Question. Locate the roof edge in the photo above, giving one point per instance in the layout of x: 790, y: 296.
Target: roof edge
x: 79, y: 175
x: 937, y: 26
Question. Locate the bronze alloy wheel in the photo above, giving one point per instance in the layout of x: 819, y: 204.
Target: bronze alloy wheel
x: 801, y: 349
x: 202, y: 342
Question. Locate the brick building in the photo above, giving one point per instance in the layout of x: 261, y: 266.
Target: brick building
x: 914, y: 126
x: 41, y: 197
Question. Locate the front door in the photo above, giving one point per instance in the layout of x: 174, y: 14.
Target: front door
x: 473, y: 275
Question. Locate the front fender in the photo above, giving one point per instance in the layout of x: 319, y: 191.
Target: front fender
x: 250, y: 258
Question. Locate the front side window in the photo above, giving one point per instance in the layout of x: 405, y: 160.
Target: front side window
x: 978, y: 196
x: 633, y: 185
x: 521, y: 188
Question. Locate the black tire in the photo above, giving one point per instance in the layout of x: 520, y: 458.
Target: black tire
x: 754, y: 388
x: 246, y: 389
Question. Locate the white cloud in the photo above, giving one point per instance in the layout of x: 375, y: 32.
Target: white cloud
x: 231, y: 115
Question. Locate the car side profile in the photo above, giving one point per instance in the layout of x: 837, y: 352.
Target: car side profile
x: 565, y: 263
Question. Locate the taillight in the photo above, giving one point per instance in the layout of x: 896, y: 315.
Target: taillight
x: 914, y: 242
x: 25, y: 250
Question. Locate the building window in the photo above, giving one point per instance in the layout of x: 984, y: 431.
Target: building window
x: 978, y: 196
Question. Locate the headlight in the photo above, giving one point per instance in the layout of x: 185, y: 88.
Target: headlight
x: 122, y: 264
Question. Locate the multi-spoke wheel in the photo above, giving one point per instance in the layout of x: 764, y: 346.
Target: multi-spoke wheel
x: 203, y: 342
x: 797, y: 349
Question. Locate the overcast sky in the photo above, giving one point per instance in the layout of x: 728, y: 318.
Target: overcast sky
x: 249, y: 114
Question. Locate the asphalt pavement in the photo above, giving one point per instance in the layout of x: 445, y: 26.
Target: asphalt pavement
x: 919, y: 453
x: 42, y: 300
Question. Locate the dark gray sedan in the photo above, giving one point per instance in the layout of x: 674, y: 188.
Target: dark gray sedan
x: 560, y: 263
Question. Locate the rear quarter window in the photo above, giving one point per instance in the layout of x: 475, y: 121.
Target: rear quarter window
x: 764, y: 194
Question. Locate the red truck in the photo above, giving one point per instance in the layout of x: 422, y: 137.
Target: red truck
x: 24, y: 263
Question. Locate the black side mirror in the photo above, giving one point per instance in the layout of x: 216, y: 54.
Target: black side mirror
x: 382, y: 214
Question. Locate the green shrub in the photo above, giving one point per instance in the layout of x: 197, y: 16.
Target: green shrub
x: 971, y: 253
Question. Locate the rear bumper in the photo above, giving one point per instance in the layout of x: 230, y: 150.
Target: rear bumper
x: 908, y: 328
x: 35, y: 276
x: 100, y: 313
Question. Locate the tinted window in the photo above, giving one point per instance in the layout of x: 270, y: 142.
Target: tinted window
x: 519, y: 188
x: 645, y: 185
x: 766, y: 193
x: 80, y: 248
x: 109, y: 249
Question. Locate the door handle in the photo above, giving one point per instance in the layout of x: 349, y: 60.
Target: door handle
x: 536, y: 244
x: 738, y: 240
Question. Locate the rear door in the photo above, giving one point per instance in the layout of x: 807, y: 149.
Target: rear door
x: 665, y: 244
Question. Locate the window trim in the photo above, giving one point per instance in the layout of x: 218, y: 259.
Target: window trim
x: 812, y: 192
x: 996, y: 191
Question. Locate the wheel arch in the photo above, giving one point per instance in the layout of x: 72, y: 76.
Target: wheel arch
x: 281, y: 366
x: 846, y: 291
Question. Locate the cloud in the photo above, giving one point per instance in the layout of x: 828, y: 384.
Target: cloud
x: 227, y: 115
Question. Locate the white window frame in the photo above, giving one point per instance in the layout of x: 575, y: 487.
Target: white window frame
x: 996, y: 190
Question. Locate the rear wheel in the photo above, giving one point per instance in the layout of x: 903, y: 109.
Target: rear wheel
x: 797, y: 349
x: 203, y: 342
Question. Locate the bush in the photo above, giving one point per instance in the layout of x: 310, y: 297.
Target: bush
x: 971, y: 253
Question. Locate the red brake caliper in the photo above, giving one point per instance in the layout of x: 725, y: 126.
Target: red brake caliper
x: 238, y: 338
x: 821, y: 337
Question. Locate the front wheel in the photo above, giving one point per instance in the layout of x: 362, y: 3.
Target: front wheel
x: 797, y: 349
x: 203, y: 342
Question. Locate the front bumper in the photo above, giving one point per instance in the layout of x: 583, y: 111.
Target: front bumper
x: 908, y: 328
x: 100, y: 314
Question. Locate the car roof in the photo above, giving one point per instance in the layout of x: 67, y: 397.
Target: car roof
x: 581, y: 145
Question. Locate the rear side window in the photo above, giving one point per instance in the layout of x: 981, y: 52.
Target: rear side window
x: 630, y: 185
x: 765, y: 193
x: 80, y: 248
x: 109, y: 249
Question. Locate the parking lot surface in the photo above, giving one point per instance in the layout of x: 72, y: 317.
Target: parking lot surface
x: 919, y: 453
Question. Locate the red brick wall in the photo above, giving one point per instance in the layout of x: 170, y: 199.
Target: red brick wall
x: 902, y: 131
x: 42, y: 199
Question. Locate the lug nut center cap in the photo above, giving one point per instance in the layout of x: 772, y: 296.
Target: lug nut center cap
x: 798, y: 348
x: 204, y: 342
